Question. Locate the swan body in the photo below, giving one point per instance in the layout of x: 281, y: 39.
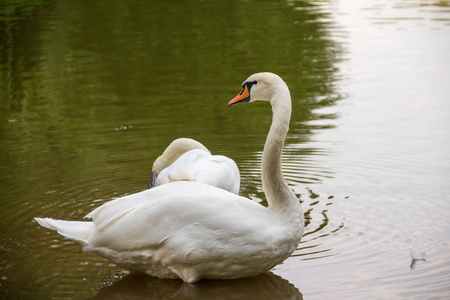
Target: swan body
x: 193, y: 231
x: 188, y: 160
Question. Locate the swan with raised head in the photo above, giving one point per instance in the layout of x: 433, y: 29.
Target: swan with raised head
x: 194, y: 231
x: 186, y: 159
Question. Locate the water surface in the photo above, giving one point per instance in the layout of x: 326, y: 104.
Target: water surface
x: 91, y: 93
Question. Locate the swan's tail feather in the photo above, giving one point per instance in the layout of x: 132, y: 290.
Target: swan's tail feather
x: 79, y: 231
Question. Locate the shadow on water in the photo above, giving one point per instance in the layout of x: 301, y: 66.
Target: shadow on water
x: 140, y: 286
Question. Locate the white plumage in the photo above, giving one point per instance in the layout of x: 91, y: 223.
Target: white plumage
x: 194, y: 231
x: 188, y: 160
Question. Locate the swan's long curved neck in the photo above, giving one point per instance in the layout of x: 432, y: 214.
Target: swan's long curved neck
x: 279, y: 195
x: 177, y: 148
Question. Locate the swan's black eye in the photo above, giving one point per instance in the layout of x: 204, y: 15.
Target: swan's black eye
x: 250, y: 84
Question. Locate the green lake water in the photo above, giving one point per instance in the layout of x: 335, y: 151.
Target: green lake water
x: 91, y: 92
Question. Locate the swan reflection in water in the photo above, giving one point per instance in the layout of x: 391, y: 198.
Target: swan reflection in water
x: 141, y: 286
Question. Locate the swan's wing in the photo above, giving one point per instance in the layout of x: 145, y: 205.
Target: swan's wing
x: 217, y: 170
x: 180, y: 170
x: 200, y: 166
x: 179, y: 218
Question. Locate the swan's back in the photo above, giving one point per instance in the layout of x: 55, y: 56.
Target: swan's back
x: 199, y: 165
x: 170, y: 208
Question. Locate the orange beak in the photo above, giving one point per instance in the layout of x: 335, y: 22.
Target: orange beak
x: 244, y: 96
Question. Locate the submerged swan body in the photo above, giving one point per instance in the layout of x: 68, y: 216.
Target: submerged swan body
x: 188, y: 160
x: 194, y: 231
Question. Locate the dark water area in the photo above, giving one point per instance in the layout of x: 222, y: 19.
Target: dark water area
x: 91, y: 92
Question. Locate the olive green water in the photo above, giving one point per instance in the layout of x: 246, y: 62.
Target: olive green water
x: 91, y: 92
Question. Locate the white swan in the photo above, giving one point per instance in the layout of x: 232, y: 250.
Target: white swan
x: 188, y: 160
x: 195, y: 231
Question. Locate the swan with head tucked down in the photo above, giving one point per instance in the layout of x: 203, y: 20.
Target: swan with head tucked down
x: 194, y: 231
x: 186, y: 159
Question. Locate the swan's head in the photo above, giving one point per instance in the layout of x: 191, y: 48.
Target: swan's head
x: 259, y: 86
